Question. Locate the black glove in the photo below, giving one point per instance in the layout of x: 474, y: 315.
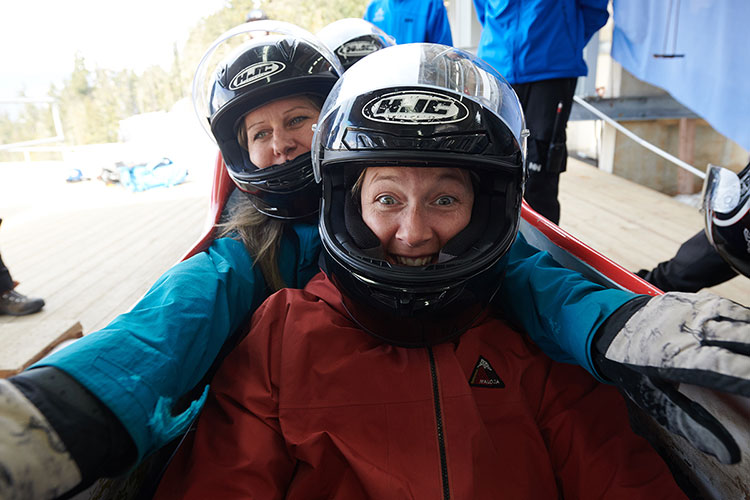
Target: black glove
x: 700, y: 339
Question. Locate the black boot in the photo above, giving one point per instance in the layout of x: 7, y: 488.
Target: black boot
x: 16, y: 304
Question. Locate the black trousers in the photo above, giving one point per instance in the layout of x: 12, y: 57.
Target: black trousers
x: 6, y: 282
x: 696, y: 265
x: 547, y: 154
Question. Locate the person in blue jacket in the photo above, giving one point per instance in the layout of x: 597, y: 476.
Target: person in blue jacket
x: 410, y: 21
x: 99, y: 406
x: 537, y: 45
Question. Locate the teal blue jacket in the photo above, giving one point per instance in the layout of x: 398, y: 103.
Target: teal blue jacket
x: 145, y: 359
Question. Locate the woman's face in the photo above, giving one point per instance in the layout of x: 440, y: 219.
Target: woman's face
x: 280, y: 130
x: 414, y: 211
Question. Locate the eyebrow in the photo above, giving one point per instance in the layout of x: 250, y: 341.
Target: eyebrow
x: 450, y: 175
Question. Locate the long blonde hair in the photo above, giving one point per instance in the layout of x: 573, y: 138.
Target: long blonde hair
x: 261, y: 235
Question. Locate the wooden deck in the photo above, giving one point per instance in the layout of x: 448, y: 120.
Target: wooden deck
x: 92, y: 250
x: 635, y: 226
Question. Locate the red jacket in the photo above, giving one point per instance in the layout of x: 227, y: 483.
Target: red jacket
x: 309, y: 406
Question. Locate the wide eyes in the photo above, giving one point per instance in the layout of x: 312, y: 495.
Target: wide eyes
x: 442, y: 201
x: 386, y: 200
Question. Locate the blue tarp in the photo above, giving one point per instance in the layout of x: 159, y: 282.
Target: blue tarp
x: 159, y: 173
x: 713, y: 77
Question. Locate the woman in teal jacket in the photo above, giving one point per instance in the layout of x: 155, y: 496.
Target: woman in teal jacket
x: 127, y: 388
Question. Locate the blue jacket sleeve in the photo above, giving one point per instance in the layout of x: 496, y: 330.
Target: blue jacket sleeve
x: 559, y: 308
x: 145, y: 359
x: 595, y: 16
x: 438, y: 27
x: 479, y: 6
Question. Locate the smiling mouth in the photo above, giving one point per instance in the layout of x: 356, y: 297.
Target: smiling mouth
x: 413, y: 261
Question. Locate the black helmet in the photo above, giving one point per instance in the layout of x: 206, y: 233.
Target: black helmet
x: 726, y: 207
x: 420, y: 105
x: 285, y: 62
x: 352, y: 39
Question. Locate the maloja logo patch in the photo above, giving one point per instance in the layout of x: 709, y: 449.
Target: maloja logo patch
x: 255, y: 72
x: 485, y: 376
x: 357, y: 48
x: 414, y: 108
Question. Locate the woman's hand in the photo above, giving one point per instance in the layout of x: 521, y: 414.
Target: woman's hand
x: 699, y: 339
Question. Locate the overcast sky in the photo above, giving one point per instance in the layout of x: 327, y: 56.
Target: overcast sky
x: 39, y: 38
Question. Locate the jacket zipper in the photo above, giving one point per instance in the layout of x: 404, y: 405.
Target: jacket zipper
x: 439, y: 423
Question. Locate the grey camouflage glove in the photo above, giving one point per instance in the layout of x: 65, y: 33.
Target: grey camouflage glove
x: 34, y: 463
x: 699, y: 339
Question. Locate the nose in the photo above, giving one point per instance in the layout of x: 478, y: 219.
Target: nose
x: 414, y: 228
x: 283, y: 145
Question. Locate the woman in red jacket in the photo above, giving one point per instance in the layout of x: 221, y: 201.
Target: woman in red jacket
x: 390, y: 375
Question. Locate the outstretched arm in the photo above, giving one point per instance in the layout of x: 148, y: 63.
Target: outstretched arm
x: 648, y: 348
x: 558, y: 308
x: 145, y: 359
x: 132, y: 372
x: 108, y: 397
x: 643, y: 345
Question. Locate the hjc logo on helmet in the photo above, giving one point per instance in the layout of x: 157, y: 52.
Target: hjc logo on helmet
x: 415, y: 108
x: 255, y: 72
x: 357, y: 48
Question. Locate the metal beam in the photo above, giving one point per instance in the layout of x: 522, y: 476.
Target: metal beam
x: 660, y: 107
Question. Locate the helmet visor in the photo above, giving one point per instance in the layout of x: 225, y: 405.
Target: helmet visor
x: 342, y: 31
x: 721, y: 190
x: 234, y: 42
x: 353, y: 38
x: 441, y: 68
